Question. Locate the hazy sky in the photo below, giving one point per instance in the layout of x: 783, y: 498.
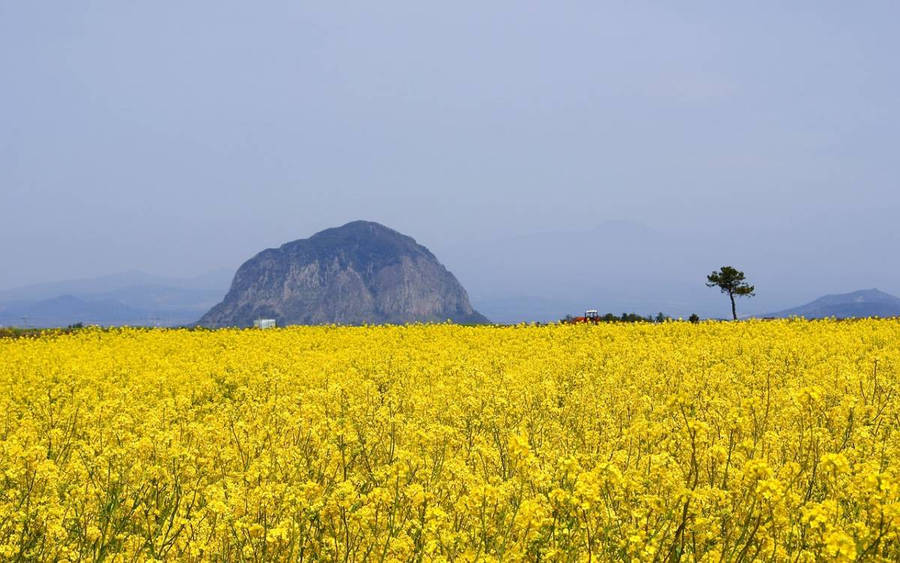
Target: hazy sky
x: 180, y: 137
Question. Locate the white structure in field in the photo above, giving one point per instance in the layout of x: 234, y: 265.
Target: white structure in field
x: 264, y: 323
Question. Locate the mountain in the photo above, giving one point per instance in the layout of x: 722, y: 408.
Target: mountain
x: 863, y: 303
x: 359, y: 273
x: 68, y: 309
x: 126, y: 298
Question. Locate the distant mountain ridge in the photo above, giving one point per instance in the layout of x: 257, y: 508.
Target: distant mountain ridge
x: 362, y: 272
x: 68, y: 309
x: 541, y: 276
x: 128, y: 298
x: 862, y: 303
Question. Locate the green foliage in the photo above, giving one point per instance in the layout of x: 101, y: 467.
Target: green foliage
x: 624, y: 318
x: 12, y: 332
x: 731, y: 281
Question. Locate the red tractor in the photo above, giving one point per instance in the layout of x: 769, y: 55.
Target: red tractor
x: 590, y: 316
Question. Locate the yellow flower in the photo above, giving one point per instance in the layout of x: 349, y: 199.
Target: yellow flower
x: 774, y: 439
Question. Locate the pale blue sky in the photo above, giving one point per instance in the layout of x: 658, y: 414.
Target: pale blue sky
x: 180, y: 137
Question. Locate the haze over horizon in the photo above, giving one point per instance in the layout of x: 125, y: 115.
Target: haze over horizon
x: 559, y: 151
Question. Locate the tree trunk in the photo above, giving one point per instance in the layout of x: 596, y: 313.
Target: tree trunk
x: 733, y: 309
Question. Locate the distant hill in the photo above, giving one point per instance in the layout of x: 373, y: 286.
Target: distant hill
x: 362, y: 272
x: 863, y: 303
x: 68, y: 309
x: 133, y: 298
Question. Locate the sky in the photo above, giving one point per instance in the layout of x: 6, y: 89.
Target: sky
x: 183, y: 137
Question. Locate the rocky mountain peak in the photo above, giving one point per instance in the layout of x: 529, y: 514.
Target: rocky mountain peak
x: 361, y: 272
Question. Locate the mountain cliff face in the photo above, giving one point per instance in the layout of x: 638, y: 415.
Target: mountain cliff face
x: 360, y: 273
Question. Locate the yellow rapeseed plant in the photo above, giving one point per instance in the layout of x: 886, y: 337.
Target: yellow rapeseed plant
x: 713, y: 442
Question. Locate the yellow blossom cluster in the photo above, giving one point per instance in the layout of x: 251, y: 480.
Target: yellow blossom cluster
x: 742, y: 441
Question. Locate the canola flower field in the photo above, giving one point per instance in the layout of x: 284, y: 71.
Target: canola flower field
x: 742, y: 441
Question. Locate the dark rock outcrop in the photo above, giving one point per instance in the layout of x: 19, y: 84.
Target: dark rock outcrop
x: 360, y: 273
